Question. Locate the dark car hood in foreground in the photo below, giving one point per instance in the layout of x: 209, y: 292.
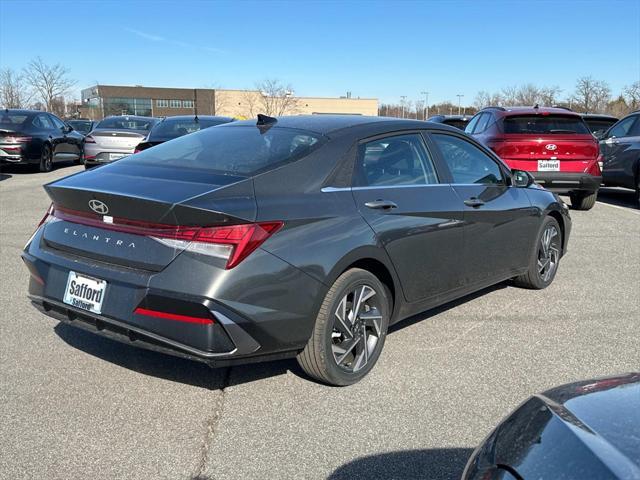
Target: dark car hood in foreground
x: 588, y: 429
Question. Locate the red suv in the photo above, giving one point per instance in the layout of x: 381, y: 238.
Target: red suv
x: 554, y: 144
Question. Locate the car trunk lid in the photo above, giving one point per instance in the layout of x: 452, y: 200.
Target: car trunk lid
x: 117, y: 138
x: 551, y: 152
x: 128, y: 214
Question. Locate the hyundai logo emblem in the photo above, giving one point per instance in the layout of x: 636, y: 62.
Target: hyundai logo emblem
x: 551, y: 146
x: 98, y: 207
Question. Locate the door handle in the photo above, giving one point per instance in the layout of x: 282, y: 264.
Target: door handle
x: 381, y: 204
x: 473, y: 202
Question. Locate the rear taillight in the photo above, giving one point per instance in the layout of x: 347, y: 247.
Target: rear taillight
x: 21, y: 139
x: 594, y: 167
x: 89, y: 139
x: 47, y: 216
x: 135, y: 150
x: 232, y: 243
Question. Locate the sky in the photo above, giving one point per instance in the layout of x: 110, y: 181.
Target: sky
x: 370, y: 48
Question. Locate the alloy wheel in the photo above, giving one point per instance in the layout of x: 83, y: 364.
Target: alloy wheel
x: 548, y: 253
x: 47, y: 160
x: 357, y: 328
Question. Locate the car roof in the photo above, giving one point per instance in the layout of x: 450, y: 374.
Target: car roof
x: 134, y: 117
x: 20, y: 110
x: 326, y: 124
x: 507, y: 111
x: 200, y: 117
x: 603, y: 116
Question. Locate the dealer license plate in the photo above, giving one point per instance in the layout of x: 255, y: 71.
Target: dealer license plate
x: 85, y: 292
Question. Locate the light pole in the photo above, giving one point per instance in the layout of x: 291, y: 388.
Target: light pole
x: 426, y: 104
x: 459, y: 97
x: 402, y: 99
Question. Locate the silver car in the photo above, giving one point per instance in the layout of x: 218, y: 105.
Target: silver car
x: 114, y: 138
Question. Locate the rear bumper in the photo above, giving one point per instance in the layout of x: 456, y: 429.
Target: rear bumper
x: 561, y: 182
x: 255, y: 317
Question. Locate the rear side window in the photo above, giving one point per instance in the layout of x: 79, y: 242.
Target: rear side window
x: 43, y: 121
x: 237, y: 150
x: 467, y: 163
x: 398, y: 160
x: 545, y: 124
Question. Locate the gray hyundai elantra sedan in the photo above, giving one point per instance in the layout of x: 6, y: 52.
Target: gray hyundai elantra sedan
x: 300, y: 236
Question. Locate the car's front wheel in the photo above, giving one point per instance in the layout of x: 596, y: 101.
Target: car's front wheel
x: 545, y: 259
x: 350, y: 330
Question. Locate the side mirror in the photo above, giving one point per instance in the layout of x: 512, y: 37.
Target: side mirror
x: 67, y: 128
x: 521, y: 178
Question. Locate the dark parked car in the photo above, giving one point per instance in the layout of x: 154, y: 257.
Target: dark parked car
x: 598, y: 123
x: 553, y: 144
x: 458, y: 121
x: 114, y: 138
x: 83, y: 126
x: 584, y: 430
x: 620, y: 150
x: 300, y: 236
x: 37, y: 138
x: 173, y: 127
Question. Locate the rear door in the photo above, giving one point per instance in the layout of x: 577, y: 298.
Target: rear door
x: 66, y: 144
x: 416, y: 218
x: 500, y: 224
x: 620, y: 150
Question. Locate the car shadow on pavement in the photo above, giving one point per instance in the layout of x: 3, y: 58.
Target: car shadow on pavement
x: 407, y: 322
x: 621, y: 197
x: 197, y: 374
x: 4, y: 176
x: 23, y: 169
x: 431, y: 464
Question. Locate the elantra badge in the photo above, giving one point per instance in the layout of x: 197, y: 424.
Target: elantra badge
x: 551, y: 147
x: 98, y: 207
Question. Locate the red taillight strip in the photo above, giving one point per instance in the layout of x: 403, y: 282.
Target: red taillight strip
x: 243, y: 238
x: 172, y: 316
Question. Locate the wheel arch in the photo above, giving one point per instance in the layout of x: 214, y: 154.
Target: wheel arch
x: 560, y: 219
x: 373, y: 261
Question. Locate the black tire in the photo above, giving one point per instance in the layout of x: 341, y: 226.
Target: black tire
x: 46, y: 159
x: 534, y: 278
x: 638, y: 190
x: 582, y: 200
x: 319, y: 359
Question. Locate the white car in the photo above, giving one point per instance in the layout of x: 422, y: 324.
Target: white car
x: 114, y: 138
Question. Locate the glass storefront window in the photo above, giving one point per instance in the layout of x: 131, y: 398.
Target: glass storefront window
x: 127, y: 106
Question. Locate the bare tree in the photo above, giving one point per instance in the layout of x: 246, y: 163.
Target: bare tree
x: 549, y: 95
x: 632, y: 95
x: 276, y: 99
x: 48, y: 81
x: 509, y: 95
x: 590, y: 95
x: 14, y: 92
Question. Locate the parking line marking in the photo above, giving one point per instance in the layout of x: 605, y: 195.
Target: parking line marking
x: 626, y: 209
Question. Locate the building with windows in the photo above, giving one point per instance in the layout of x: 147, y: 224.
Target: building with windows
x: 101, y: 101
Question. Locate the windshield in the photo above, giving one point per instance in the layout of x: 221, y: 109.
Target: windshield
x: 545, y: 124
x: 171, y: 128
x: 127, y: 123
x: 242, y: 150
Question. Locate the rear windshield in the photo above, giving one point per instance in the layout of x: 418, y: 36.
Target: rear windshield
x: 599, y: 126
x: 127, y: 123
x: 12, y: 120
x: 83, y: 126
x: 177, y: 128
x: 545, y: 124
x: 238, y: 150
x: 458, y: 123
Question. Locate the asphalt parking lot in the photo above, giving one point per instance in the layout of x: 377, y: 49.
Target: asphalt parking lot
x: 74, y: 405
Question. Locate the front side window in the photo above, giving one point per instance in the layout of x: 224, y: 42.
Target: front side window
x: 623, y: 127
x: 467, y: 163
x: 56, y: 122
x: 398, y: 160
x: 483, y: 123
